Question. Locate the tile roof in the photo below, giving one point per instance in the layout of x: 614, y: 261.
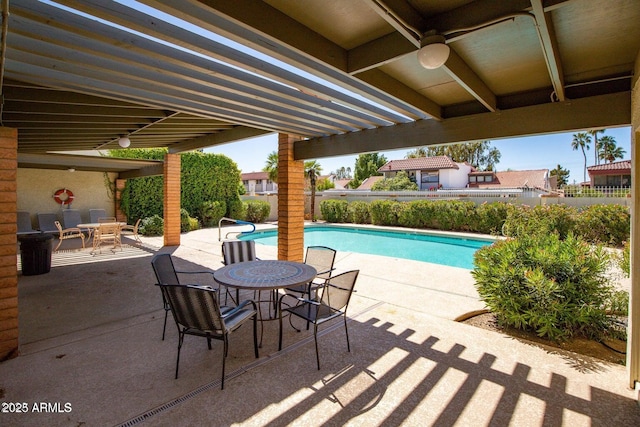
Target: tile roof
x: 368, y: 183
x: 254, y: 176
x: 420, y: 163
x: 516, y: 179
x: 614, y: 166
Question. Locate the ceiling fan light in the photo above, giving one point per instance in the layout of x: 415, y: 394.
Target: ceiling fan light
x: 434, y: 55
x: 124, y: 141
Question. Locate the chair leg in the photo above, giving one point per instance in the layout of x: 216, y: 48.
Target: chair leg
x: 255, y: 335
x: 59, y: 243
x: 346, y: 331
x: 315, y: 338
x: 224, y: 359
x: 180, y: 340
x: 164, y: 328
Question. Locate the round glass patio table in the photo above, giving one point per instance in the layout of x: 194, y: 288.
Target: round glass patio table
x: 267, y: 275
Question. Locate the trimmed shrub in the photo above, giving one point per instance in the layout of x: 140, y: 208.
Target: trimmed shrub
x: 524, y: 220
x: 257, y: 210
x: 334, y: 210
x: 235, y: 209
x: 152, y: 226
x: 212, y: 212
x: 557, y: 288
x: 609, y: 224
x: 358, y: 212
x: 185, y: 225
x: 194, y: 224
x: 418, y: 214
x: 385, y: 212
x: 454, y: 215
x: 489, y: 217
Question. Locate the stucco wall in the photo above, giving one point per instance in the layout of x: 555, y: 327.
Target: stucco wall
x: 36, y: 188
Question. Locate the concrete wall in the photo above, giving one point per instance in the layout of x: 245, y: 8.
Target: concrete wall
x: 36, y: 188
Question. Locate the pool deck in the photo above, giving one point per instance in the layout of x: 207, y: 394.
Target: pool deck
x: 90, y: 337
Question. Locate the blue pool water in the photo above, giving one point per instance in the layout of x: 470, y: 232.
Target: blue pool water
x: 451, y: 251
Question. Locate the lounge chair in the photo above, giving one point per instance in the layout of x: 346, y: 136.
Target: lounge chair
x: 47, y: 223
x: 96, y: 214
x: 24, y: 223
x: 71, y: 218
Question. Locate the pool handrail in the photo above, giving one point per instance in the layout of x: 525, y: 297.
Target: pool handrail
x: 235, y: 221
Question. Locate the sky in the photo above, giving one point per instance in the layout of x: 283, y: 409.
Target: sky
x: 533, y: 152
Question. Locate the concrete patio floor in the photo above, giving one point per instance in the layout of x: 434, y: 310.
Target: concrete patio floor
x: 91, y: 352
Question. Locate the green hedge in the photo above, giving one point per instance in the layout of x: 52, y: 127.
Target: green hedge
x: 608, y: 224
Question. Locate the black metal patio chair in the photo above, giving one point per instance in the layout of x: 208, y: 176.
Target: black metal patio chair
x: 196, y: 311
x: 167, y: 274
x: 331, y: 302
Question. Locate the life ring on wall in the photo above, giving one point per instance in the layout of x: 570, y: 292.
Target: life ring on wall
x: 68, y: 196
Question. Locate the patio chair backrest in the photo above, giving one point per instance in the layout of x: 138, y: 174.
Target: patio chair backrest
x: 24, y: 222
x: 337, y: 292
x: 47, y: 222
x: 165, y: 271
x: 321, y: 258
x: 71, y: 218
x: 238, y: 251
x: 195, y: 307
x: 96, y: 214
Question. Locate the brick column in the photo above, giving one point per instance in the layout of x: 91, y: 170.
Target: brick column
x: 290, y: 201
x: 120, y: 184
x: 8, y: 243
x: 172, y: 200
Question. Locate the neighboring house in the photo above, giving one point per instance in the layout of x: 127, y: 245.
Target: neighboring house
x: 258, y: 182
x: 340, y: 184
x: 615, y: 174
x: 430, y: 173
x: 368, y: 183
x: 538, y: 179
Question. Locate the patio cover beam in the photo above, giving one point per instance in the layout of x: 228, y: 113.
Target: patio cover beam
x: 602, y: 111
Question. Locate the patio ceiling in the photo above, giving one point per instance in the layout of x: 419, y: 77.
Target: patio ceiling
x: 79, y: 74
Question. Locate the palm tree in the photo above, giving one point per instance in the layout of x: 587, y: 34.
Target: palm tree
x: 597, y: 146
x: 272, y: 166
x: 312, y: 170
x: 582, y: 140
x: 610, y: 151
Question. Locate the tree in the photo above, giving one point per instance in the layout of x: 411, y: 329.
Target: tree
x: 312, y: 170
x: 400, y: 182
x: 367, y: 165
x: 610, y: 151
x: 479, y: 154
x: 343, y: 173
x: 417, y: 153
x: 271, y: 166
x: 597, y: 145
x: 562, y: 175
x: 581, y: 140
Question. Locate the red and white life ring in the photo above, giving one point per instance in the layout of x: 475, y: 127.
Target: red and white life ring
x: 66, y: 199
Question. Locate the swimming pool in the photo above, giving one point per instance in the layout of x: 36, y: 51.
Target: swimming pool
x: 451, y: 251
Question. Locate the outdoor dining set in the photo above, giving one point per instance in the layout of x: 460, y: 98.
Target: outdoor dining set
x: 101, y: 229
x: 308, y: 290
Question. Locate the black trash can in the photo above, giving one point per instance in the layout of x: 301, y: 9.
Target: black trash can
x: 35, y: 253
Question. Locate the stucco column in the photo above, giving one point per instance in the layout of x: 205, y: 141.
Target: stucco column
x: 8, y: 243
x: 633, y: 331
x: 172, y: 200
x: 290, y: 201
